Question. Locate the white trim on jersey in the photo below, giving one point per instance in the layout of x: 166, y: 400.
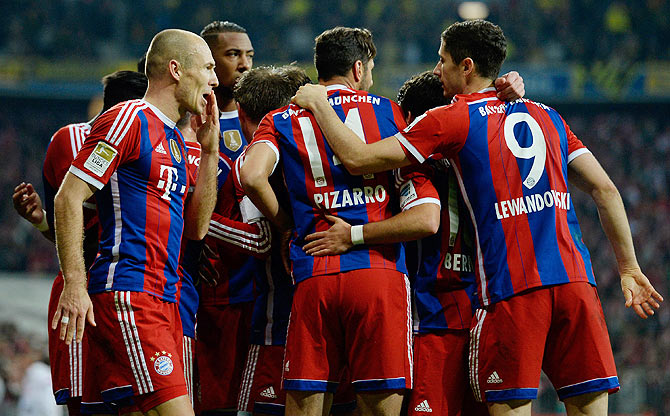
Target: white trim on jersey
x: 165, y: 119
x: 480, y: 260
x: 248, y: 378
x: 226, y: 115
x: 86, y: 177
x: 572, y: 156
x: 407, y: 145
x: 422, y: 201
x: 118, y: 226
x: 334, y: 87
x: 257, y: 243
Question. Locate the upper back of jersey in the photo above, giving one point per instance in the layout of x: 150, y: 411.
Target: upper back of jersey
x: 512, y: 165
x: 319, y: 184
x: 136, y: 158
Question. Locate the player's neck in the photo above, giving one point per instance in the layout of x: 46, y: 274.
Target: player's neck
x: 340, y: 80
x: 164, y: 100
x: 477, y: 84
x: 225, y: 99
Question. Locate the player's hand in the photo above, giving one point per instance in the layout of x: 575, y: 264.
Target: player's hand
x: 309, y: 95
x: 27, y: 203
x: 510, y: 86
x: 639, y: 293
x: 207, y: 126
x: 335, y: 240
x: 73, y: 310
x: 207, y: 271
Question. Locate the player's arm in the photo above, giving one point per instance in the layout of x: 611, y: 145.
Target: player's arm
x: 586, y: 173
x: 28, y: 205
x: 415, y: 223
x: 255, y: 174
x: 74, y: 306
x: 253, y: 239
x: 200, y: 206
x: 357, y: 157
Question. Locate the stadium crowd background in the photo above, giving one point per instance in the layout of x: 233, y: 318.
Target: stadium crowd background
x: 50, y: 50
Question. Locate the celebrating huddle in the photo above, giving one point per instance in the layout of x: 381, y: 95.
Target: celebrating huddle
x: 337, y: 254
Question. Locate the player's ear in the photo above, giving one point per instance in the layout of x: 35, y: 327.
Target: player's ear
x: 468, y: 66
x: 175, y: 69
x: 409, y: 117
x: 358, y: 70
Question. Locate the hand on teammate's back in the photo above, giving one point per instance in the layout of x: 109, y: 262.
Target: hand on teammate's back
x: 335, y: 240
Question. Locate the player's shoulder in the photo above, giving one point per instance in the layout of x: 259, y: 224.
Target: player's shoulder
x: 69, y: 131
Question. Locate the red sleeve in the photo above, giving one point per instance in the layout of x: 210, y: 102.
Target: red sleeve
x: 267, y: 133
x: 415, y: 187
x: 113, y: 141
x: 575, y: 146
x: 59, y: 157
x: 436, y: 134
x: 227, y: 232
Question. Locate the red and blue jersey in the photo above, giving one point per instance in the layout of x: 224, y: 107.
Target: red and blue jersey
x: 274, y: 288
x: 228, y: 233
x: 136, y: 158
x: 441, y: 266
x: 189, y: 260
x: 319, y: 184
x: 511, y: 161
x: 63, y: 148
x: 232, y: 142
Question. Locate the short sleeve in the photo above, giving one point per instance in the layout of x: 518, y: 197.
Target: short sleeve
x: 415, y: 187
x: 267, y: 133
x: 114, y: 140
x: 436, y: 134
x: 575, y: 146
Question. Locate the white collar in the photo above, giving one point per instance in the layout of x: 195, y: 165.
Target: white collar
x: 165, y: 119
x: 229, y: 114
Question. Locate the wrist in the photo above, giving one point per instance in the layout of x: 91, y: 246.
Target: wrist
x: 357, y: 235
x: 43, y: 225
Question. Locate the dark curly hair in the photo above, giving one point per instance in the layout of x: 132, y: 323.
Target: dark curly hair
x: 420, y: 93
x: 480, y: 40
x: 337, y: 49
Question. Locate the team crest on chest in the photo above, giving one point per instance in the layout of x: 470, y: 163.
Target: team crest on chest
x: 232, y: 140
x: 174, y: 149
x: 163, y: 363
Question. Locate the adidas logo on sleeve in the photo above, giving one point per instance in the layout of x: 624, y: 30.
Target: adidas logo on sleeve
x: 423, y: 407
x: 494, y: 378
x: 269, y: 393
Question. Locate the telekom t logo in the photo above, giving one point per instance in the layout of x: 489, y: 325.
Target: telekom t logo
x: 169, y: 178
